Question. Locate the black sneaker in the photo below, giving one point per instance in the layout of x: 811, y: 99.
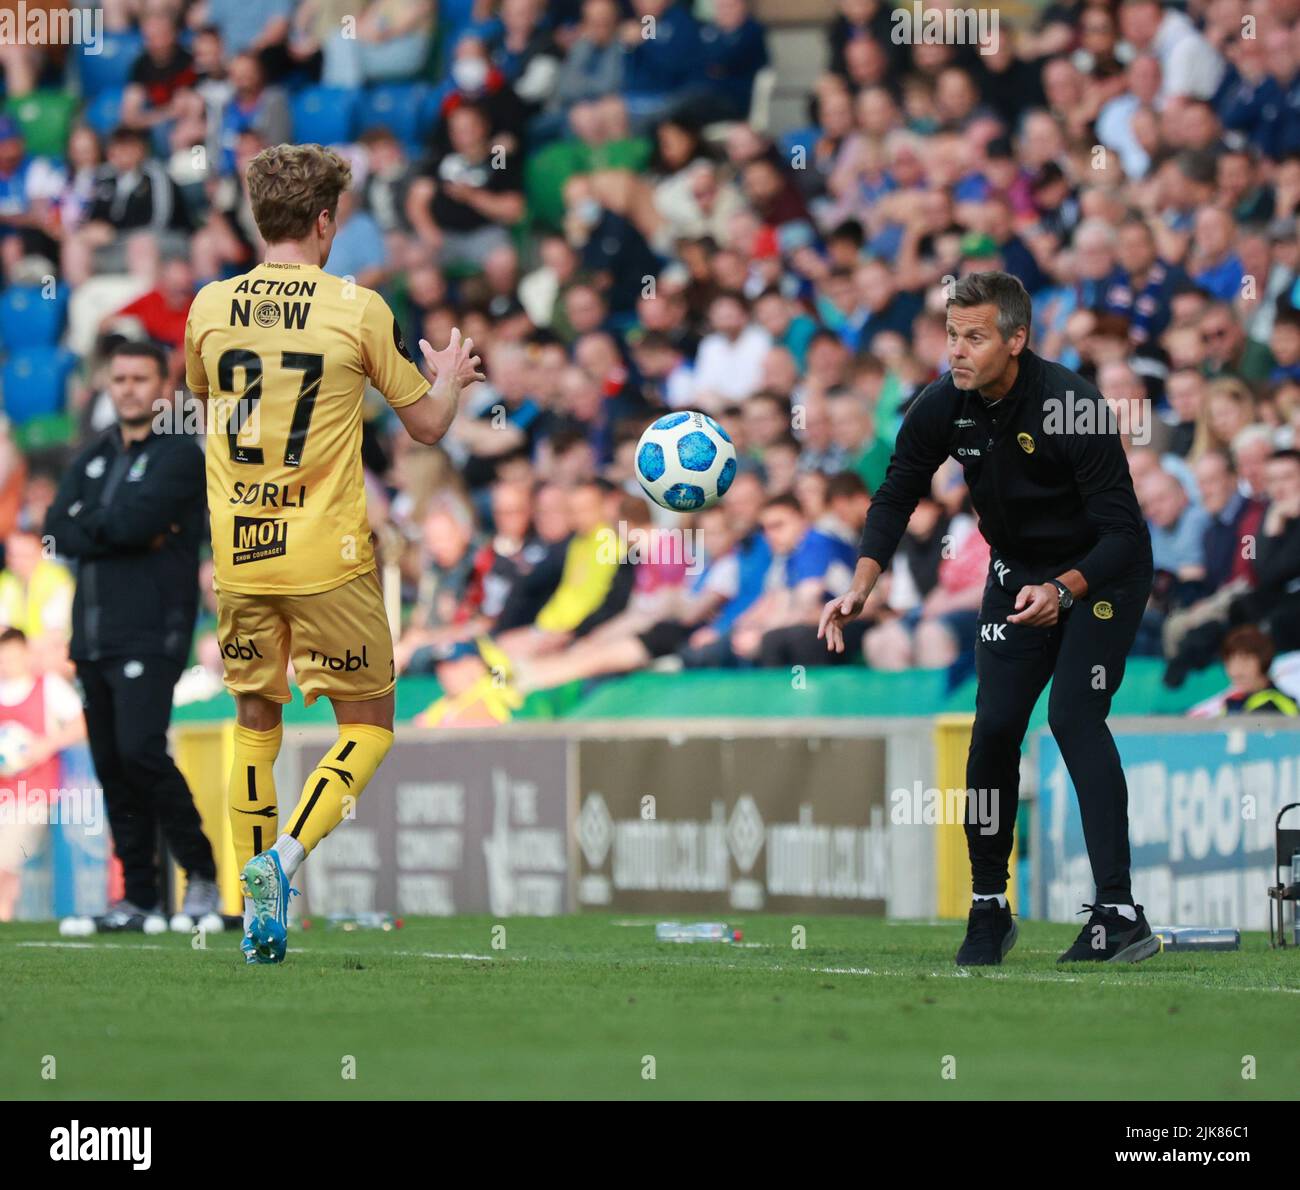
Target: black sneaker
x: 990, y: 932
x: 1109, y: 937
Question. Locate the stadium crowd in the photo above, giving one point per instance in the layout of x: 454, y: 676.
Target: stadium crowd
x: 594, y: 193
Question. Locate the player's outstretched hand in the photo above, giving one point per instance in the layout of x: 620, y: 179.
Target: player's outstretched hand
x: 457, y: 359
x: 836, y: 614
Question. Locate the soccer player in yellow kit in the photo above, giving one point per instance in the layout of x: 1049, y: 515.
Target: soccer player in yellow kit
x: 283, y: 354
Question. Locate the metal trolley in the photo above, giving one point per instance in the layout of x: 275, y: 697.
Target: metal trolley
x: 1288, y: 853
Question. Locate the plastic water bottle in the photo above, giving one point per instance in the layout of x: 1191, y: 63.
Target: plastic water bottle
x: 1198, y: 937
x: 698, y: 931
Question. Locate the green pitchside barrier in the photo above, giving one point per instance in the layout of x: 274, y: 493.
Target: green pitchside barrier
x: 758, y: 693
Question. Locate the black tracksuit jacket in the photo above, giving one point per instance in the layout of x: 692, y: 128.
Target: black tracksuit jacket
x: 1046, y: 470
x: 133, y: 518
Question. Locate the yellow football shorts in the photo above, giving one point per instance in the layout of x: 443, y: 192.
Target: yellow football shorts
x: 339, y: 642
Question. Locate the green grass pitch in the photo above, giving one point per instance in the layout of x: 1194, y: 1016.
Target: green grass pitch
x: 588, y: 1006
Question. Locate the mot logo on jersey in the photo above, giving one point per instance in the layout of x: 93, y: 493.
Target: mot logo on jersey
x: 257, y: 538
x: 993, y: 632
x: 266, y: 314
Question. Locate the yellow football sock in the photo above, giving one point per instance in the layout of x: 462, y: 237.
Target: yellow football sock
x: 250, y: 796
x: 337, y: 782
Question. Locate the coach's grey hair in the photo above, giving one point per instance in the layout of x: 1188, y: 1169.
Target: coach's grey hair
x: 995, y: 289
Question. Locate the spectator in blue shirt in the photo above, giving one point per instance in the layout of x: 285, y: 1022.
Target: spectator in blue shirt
x: 249, y: 26
x: 1214, y: 264
x: 711, y: 644
x: 22, y: 181
x: 1017, y: 258
x: 1249, y: 100
x: 883, y: 307
x: 253, y: 107
x: 591, y: 71
x: 359, y: 250
x: 1177, y: 539
x: 1284, y: 342
x: 662, y: 58
x: 1286, y: 124
x: 806, y: 565
x: 734, y: 51
x: 1099, y: 274
x: 1146, y: 292
x: 526, y: 52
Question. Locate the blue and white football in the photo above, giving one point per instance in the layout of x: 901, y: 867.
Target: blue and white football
x: 685, y: 461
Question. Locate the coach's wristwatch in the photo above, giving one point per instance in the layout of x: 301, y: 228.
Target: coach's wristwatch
x: 1066, y: 600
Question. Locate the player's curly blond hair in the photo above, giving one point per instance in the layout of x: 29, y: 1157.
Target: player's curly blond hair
x: 289, y: 185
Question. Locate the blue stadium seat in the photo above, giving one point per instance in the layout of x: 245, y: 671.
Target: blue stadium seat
x: 398, y: 107
x: 431, y: 110
x: 28, y: 319
x: 104, y: 112
x: 324, y: 115
x: 111, y: 69
x: 35, y: 382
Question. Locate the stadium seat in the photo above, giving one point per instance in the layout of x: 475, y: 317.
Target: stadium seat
x: 104, y: 112
x: 431, y: 109
x: 760, y: 101
x: 45, y: 431
x: 399, y: 107
x: 35, y: 383
x: 324, y: 115
x: 29, y: 320
x: 46, y: 119
x: 111, y: 69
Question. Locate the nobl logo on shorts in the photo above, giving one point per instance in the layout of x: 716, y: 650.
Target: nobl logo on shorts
x: 91, y: 1142
x: 344, y: 664
x: 237, y: 650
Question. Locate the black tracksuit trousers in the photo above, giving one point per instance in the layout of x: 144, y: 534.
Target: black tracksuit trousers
x: 128, y: 707
x: 1084, y: 654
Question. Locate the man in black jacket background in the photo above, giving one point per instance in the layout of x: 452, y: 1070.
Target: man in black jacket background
x: 130, y: 511
x: 1069, y: 575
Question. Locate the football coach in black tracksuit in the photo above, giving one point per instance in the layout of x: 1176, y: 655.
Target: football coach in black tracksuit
x: 1069, y: 576
x: 131, y: 512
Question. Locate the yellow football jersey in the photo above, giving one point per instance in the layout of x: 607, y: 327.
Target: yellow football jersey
x: 282, y: 355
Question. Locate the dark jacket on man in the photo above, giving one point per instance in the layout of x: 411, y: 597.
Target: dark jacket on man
x: 133, y: 518
x: 1047, y: 475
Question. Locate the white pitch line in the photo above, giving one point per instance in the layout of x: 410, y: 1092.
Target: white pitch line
x: 415, y: 954
x: 432, y: 954
x: 1033, y: 977
x: 960, y: 973
x: 94, y: 945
